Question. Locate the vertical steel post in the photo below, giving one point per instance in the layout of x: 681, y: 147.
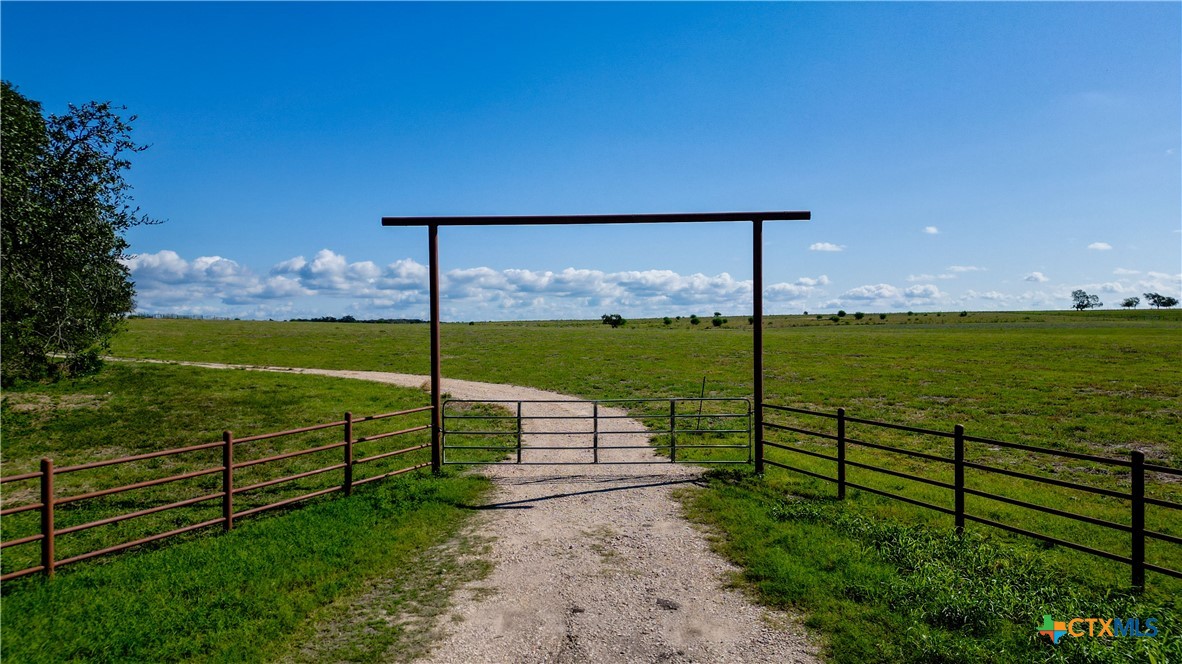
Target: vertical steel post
x: 757, y: 342
x: 1138, y: 497
x: 518, y: 432
x: 841, y: 454
x: 47, y: 525
x: 227, y: 480
x: 595, y: 431
x: 436, y: 370
x: 348, y: 454
x: 958, y: 478
x: 672, y: 431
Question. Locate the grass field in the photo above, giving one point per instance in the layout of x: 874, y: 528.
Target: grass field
x: 207, y: 595
x: 1098, y: 382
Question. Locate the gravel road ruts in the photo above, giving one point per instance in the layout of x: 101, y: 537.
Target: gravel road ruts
x: 594, y: 563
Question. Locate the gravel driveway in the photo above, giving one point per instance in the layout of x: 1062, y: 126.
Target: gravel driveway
x: 594, y: 563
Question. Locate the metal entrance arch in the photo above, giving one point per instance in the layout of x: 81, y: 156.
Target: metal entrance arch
x: 756, y: 219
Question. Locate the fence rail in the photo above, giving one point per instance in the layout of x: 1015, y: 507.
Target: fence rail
x: 1136, y: 497
x: 49, y: 499
x: 674, y: 422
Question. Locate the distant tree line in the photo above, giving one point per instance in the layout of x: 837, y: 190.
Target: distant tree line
x: 350, y: 319
x: 1081, y: 300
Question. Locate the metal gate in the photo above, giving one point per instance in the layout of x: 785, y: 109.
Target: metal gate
x: 604, y: 431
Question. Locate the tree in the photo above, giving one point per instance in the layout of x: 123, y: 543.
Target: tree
x: 1160, y: 301
x: 66, y: 206
x: 615, y: 320
x: 1081, y: 300
x: 841, y: 313
x: 858, y: 315
x: 1130, y: 302
x: 667, y: 321
x: 694, y: 320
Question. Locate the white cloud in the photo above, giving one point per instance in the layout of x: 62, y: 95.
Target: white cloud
x: 965, y: 268
x: 1038, y: 277
x: 992, y: 296
x: 872, y: 292
x: 826, y: 246
x: 1100, y: 246
x: 1123, y: 272
x: 931, y: 230
x: 929, y: 277
x: 923, y: 292
x: 167, y: 282
x: 887, y: 295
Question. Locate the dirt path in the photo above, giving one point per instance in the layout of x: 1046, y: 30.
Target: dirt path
x: 593, y: 563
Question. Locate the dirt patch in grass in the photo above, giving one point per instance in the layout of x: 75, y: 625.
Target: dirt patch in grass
x: 398, y: 619
x: 31, y: 402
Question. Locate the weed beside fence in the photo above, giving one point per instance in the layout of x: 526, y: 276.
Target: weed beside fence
x: 1099, y: 506
x: 226, y: 491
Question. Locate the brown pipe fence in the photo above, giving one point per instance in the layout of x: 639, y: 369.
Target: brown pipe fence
x: 49, y: 500
x: 1137, y: 532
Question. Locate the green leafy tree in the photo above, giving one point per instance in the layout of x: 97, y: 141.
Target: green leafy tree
x: 1159, y: 301
x: 615, y: 320
x: 858, y: 315
x: 1080, y: 300
x: 694, y: 320
x: 1130, y: 302
x: 66, y: 206
x: 667, y: 321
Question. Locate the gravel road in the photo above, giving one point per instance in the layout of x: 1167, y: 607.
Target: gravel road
x: 594, y: 563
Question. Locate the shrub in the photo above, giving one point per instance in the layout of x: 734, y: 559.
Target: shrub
x: 963, y: 314
x: 858, y: 315
x: 819, y: 316
x: 694, y: 320
x: 615, y: 320
x: 841, y: 313
x: 834, y: 318
x: 667, y: 320
x: 881, y: 316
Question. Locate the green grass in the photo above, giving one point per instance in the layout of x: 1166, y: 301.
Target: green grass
x: 1097, y: 382
x: 237, y: 596
x: 1090, y: 381
x: 242, y: 595
x: 884, y: 591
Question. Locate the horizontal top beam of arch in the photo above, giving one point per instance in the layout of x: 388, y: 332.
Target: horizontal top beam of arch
x: 575, y: 219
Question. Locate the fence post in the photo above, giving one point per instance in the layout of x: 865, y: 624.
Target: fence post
x: 518, y: 432
x: 958, y: 478
x: 227, y: 480
x: 47, y: 525
x: 672, y: 431
x: 1138, y: 496
x: 595, y: 431
x: 348, y: 454
x: 841, y: 454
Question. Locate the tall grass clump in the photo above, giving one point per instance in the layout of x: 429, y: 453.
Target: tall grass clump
x: 883, y: 591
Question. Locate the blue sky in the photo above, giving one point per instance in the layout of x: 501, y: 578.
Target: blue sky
x: 954, y: 156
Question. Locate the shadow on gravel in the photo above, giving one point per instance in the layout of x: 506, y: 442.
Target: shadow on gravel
x: 522, y: 504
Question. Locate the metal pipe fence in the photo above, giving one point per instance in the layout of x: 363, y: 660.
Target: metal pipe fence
x: 1137, y: 468
x: 674, y: 420
x: 49, y: 500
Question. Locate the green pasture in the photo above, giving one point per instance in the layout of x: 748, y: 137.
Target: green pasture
x: 245, y: 595
x: 1098, y: 382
